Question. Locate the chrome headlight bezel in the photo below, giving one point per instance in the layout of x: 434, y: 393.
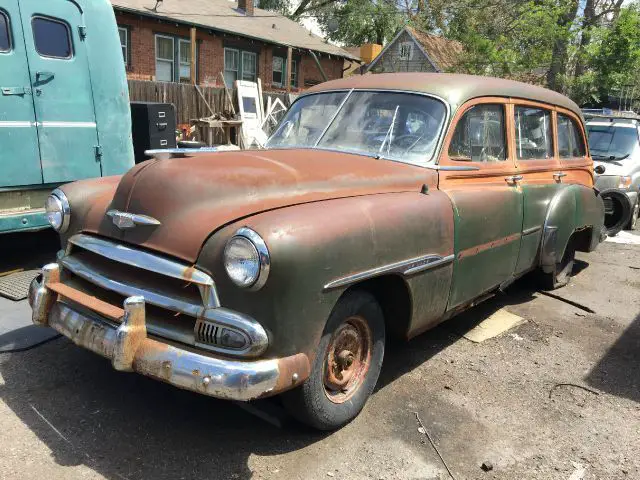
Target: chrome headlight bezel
x: 264, y: 259
x: 65, y: 210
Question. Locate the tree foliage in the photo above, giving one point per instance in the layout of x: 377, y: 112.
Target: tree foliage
x: 588, y: 49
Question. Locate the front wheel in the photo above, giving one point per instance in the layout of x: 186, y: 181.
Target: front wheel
x: 346, y: 367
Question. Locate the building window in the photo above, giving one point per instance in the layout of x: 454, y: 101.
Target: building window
x: 52, y: 38
x: 294, y: 73
x: 278, y: 72
x: 406, y: 50
x: 5, y: 36
x: 185, y: 60
x: 124, y: 43
x: 164, y: 58
x: 249, y: 60
x: 239, y: 65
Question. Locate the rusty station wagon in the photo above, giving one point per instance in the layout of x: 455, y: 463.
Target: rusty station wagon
x: 383, y: 205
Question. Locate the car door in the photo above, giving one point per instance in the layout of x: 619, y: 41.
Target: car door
x: 61, y: 84
x: 19, y: 152
x: 478, y: 173
x: 536, y: 154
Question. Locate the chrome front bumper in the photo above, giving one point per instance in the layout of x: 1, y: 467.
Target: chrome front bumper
x: 128, y: 347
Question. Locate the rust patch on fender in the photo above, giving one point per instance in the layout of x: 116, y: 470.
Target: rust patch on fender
x: 469, y: 252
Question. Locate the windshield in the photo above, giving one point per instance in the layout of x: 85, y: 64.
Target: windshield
x: 398, y: 126
x: 607, y: 141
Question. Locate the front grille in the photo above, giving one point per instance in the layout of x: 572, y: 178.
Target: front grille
x: 175, y: 294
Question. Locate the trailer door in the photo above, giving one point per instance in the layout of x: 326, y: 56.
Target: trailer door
x: 55, y: 39
x: 19, y: 153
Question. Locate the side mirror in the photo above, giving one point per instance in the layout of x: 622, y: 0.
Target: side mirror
x: 599, y: 169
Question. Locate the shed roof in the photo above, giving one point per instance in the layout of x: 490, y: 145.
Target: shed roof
x: 454, y: 88
x: 224, y: 16
x: 444, y: 52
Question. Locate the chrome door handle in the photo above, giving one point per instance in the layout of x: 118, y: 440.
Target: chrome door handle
x: 558, y: 176
x: 513, y: 179
x: 47, y: 75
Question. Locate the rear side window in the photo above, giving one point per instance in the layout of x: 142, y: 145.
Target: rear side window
x: 52, y: 37
x: 480, y: 135
x: 5, y: 36
x: 534, y: 137
x: 570, y: 141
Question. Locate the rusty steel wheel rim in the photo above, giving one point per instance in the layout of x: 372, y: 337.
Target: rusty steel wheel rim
x: 347, y: 359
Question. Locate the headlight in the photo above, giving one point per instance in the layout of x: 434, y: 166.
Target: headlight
x: 58, y: 211
x: 246, y: 259
x: 625, y: 182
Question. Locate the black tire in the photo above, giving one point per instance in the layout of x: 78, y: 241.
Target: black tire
x: 310, y: 403
x: 561, y: 272
x: 633, y: 221
x: 617, y: 210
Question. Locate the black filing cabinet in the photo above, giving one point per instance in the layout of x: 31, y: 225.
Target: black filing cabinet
x: 153, y: 126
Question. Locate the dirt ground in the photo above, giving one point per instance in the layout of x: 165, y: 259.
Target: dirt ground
x: 66, y: 414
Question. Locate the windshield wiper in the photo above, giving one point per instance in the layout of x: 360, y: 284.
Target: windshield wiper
x: 609, y: 158
x: 389, y: 133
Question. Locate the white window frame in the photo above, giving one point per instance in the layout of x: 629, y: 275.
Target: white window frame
x: 182, y: 41
x: 255, y: 66
x: 125, y: 47
x: 282, y: 72
x: 294, y: 73
x: 238, y: 66
x: 166, y: 60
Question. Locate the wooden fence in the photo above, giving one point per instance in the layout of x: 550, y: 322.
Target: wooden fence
x: 189, y: 104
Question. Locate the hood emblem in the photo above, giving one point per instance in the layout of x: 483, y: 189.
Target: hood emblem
x: 124, y: 220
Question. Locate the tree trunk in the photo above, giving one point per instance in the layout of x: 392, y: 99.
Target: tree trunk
x: 585, y: 39
x: 560, y: 47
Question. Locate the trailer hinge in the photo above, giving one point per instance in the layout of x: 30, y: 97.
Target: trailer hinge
x: 98, y: 152
x: 82, y: 31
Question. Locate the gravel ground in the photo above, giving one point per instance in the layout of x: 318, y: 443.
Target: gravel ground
x: 65, y: 414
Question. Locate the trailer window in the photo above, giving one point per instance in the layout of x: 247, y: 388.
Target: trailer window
x: 5, y: 37
x: 52, y: 38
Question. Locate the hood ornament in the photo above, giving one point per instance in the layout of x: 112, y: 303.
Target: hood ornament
x: 124, y: 220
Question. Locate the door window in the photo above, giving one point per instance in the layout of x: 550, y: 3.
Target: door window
x: 534, y: 137
x: 249, y: 66
x: 570, y: 141
x: 5, y: 36
x: 52, y: 38
x: 480, y: 135
x: 294, y: 72
x: 164, y: 58
x: 278, y: 72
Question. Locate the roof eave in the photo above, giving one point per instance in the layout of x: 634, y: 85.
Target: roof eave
x: 133, y: 11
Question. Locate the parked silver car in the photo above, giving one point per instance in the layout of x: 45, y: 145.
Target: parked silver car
x: 614, y: 141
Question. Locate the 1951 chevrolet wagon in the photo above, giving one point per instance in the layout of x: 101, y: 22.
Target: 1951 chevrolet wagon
x: 383, y: 205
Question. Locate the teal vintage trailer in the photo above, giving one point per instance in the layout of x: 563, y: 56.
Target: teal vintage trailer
x: 64, y: 102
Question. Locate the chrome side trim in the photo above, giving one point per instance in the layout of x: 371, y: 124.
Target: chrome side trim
x: 404, y: 268
x: 150, y: 262
x: 168, y: 153
x: 434, y: 263
x: 531, y: 230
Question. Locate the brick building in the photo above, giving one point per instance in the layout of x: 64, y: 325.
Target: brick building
x: 235, y: 39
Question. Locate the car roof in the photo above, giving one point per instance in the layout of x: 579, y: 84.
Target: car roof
x: 456, y: 89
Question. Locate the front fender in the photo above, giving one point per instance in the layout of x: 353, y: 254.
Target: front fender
x: 574, y: 208
x: 314, y: 244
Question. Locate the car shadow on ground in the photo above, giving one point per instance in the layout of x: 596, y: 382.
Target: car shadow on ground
x: 618, y: 372
x: 128, y: 426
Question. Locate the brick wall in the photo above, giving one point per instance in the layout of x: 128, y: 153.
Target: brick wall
x: 211, y: 54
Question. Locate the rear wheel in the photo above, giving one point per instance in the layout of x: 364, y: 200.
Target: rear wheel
x: 562, y: 270
x: 346, y: 367
x: 633, y: 221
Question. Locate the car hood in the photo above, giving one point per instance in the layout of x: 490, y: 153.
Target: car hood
x: 193, y: 197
